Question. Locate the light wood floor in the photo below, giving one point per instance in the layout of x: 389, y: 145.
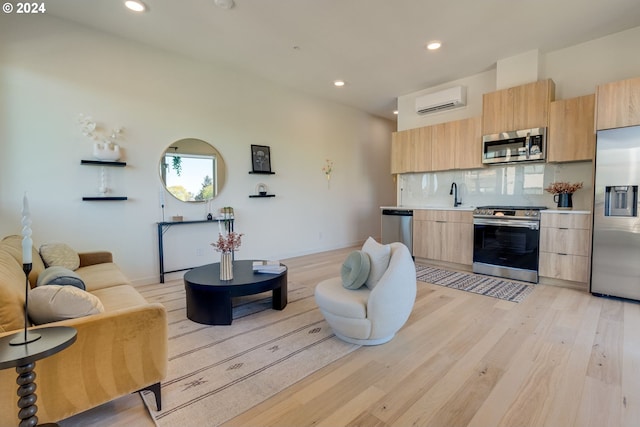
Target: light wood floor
x: 560, y: 358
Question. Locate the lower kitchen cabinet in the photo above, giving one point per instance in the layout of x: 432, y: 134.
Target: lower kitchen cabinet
x: 443, y: 235
x: 565, y: 245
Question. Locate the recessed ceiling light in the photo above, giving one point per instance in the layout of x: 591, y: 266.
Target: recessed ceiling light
x: 433, y: 45
x: 339, y: 83
x: 224, y: 4
x: 135, y: 5
x: 395, y: 112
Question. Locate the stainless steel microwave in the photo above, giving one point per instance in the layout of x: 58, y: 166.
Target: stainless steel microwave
x: 527, y: 145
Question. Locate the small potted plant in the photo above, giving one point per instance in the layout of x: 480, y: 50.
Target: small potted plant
x: 563, y: 192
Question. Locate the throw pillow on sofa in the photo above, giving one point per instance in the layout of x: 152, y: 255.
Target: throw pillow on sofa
x: 379, y: 255
x: 58, y: 275
x: 57, y: 302
x: 355, y: 270
x: 59, y: 254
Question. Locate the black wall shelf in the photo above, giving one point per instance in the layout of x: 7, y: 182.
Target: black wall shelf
x: 262, y: 173
x: 102, y: 163
x: 262, y: 195
x: 104, y: 199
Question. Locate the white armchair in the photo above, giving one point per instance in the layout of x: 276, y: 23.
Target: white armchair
x: 371, y: 316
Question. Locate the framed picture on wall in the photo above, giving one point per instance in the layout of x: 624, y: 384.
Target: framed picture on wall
x: 260, y: 159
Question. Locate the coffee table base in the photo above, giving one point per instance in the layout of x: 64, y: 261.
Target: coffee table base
x: 212, y: 304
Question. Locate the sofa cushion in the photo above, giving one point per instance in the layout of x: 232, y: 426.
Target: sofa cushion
x: 59, y: 254
x: 379, y: 256
x: 103, y: 275
x: 57, y: 302
x: 12, y: 283
x: 355, y: 270
x: 13, y: 245
x: 119, y: 297
x: 332, y: 297
x: 58, y: 275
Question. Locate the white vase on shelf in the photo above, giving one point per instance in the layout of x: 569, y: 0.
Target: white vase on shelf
x: 107, y: 151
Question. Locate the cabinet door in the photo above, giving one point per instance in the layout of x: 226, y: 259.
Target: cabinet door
x: 567, y: 241
x: 531, y: 104
x: 399, y: 152
x: 468, y: 143
x: 458, y: 243
x: 443, y: 148
x: 422, y: 143
x: 497, y: 111
x: 618, y: 104
x: 571, y: 130
x: 564, y: 267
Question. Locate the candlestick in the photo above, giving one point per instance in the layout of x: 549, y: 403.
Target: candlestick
x: 27, y: 243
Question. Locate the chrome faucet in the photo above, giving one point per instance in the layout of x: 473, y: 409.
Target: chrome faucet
x: 454, y: 191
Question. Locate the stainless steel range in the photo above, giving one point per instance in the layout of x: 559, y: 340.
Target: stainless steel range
x: 506, y: 241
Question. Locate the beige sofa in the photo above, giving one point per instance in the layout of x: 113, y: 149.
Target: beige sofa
x: 117, y: 352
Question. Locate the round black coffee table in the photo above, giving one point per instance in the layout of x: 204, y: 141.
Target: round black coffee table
x: 209, y: 298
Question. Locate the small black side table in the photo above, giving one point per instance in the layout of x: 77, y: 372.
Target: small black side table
x: 23, y: 358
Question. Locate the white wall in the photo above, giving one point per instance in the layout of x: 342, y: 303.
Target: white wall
x: 51, y: 70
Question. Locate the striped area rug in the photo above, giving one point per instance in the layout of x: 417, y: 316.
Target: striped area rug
x: 476, y: 283
x: 217, y: 372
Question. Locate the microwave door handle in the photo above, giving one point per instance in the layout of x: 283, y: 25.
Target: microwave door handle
x: 527, y: 142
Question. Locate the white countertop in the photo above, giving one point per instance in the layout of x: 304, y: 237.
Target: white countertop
x: 471, y: 208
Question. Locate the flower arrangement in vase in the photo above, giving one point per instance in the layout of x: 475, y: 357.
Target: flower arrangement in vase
x: 563, y: 192
x: 327, y: 169
x: 105, y: 146
x: 226, y: 245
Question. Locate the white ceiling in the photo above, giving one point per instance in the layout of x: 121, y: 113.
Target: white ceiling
x: 376, y: 46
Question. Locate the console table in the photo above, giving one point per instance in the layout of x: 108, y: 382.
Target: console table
x: 165, y: 225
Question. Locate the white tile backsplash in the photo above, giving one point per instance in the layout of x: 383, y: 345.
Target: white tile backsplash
x: 513, y: 184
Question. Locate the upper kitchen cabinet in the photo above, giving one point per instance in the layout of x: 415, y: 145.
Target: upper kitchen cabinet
x: 468, y: 143
x: 411, y: 150
x: 618, y: 104
x: 519, y: 107
x: 571, y: 129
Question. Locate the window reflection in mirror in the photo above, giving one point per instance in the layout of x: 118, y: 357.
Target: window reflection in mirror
x: 192, y: 170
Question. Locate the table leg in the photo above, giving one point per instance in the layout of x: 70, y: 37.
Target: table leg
x: 209, y: 308
x: 279, y: 298
x: 27, y: 395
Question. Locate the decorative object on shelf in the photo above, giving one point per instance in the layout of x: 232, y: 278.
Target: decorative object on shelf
x: 262, y: 189
x: 177, y: 218
x: 105, y: 146
x: 327, y: 169
x: 563, y: 193
x: 226, y: 212
x: 226, y: 245
x: 260, y: 159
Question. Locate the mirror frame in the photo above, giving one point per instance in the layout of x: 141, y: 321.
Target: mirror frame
x: 194, y: 148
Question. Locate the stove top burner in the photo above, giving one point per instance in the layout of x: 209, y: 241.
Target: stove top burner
x: 515, y: 208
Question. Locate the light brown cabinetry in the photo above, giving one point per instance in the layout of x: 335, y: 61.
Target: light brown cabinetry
x: 443, y: 235
x: 519, y: 107
x: 618, y: 104
x: 445, y: 146
x: 571, y: 129
x: 411, y: 150
x: 565, y: 247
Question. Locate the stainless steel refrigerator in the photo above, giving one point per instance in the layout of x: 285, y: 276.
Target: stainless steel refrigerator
x: 615, y: 262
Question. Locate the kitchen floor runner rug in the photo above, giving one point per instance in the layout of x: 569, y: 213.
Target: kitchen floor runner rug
x: 217, y: 372
x: 476, y: 283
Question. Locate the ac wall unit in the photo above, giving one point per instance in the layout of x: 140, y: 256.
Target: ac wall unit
x: 443, y: 100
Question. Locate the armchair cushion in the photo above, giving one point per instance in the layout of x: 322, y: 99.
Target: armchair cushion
x: 379, y: 255
x: 60, y: 254
x: 58, y: 302
x: 355, y: 270
x: 58, y: 275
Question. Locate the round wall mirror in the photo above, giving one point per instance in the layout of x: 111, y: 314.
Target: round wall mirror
x: 192, y: 170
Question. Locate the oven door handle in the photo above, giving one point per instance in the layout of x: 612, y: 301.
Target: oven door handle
x: 532, y: 225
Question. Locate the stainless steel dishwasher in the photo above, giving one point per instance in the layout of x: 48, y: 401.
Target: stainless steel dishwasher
x: 397, y: 226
